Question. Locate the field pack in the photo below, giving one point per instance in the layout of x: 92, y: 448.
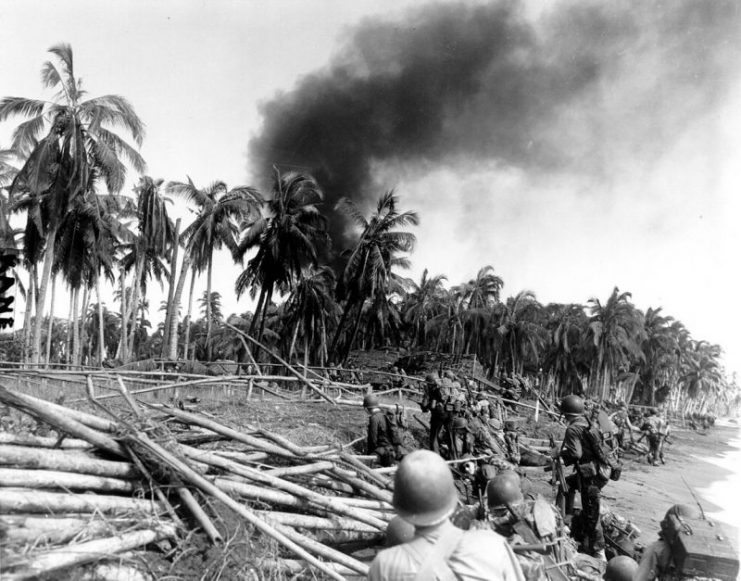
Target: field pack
x: 701, y: 549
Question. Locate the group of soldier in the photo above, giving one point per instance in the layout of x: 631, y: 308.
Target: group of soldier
x: 461, y: 511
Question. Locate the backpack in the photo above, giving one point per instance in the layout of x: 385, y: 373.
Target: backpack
x: 395, y: 425
x: 608, y: 464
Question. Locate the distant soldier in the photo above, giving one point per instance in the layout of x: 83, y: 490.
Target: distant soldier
x: 380, y: 439
x: 664, y: 433
x: 578, y: 450
x: 650, y: 429
x: 425, y: 496
x: 512, y: 441
x: 461, y: 439
x: 433, y: 401
x: 621, y: 419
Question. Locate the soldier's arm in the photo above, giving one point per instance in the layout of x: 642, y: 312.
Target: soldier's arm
x: 571, y: 451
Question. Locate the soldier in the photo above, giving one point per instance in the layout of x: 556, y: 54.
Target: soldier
x: 461, y: 439
x: 511, y: 515
x: 512, y: 441
x: 424, y: 495
x: 650, y: 429
x: 577, y: 450
x: 656, y: 562
x: 379, y: 436
x: 432, y: 401
x: 621, y: 420
x: 664, y: 431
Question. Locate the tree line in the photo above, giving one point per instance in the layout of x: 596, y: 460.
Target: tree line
x: 64, y: 172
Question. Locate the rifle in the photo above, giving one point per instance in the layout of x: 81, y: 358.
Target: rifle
x: 694, y: 497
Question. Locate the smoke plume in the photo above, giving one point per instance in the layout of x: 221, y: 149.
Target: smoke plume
x: 569, y: 89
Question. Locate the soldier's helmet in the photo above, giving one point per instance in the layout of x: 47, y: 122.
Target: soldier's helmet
x: 623, y: 405
x: 572, y: 405
x: 398, y: 532
x: 448, y: 374
x: 370, y: 400
x: 510, y: 425
x: 681, y: 511
x: 424, y: 492
x: 504, y: 489
x: 620, y: 568
x: 431, y: 378
x: 495, y: 424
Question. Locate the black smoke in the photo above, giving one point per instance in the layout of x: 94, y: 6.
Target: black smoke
x: 494, y: 83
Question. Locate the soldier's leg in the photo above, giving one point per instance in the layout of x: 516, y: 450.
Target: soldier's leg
x: 590, y: 498
x: 436, y: 425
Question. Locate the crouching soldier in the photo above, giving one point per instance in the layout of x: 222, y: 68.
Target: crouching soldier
x: 383, y: 439
x: 425, y: 496
x: 532, y: 527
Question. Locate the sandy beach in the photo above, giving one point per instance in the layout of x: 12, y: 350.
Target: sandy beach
x: 711, y: 466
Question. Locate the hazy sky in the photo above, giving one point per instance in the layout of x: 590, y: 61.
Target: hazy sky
x: 573, y: 149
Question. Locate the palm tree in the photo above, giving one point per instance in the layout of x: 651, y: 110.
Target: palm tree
x: 564, y: 359
x: 69, y: 149
x: 221, y: 211
x: 310, y: 309
x: 368, y: 269
x: 421, y: 304
x: 659, y: 348
x: 616, y: 330
x: 477, y: 297
x: 520, y: 336
x: 286, y: 239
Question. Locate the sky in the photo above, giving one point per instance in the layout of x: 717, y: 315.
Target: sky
x: 573, y: 146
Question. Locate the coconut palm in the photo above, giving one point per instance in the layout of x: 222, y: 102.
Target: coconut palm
x: 616, y: 330
x: 421, y: 305
x: 368, y: 271
x: 519, y: 335
x: 69, y: 148
x: 564, y: 359
x: 220, y: 213
x: 287, y: 239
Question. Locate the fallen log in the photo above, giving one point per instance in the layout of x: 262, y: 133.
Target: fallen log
x: 366, y: 487
x: 330, y: 503
x: 58, y: 417
x: 89, y: 420
x: 65, y: 461
x: 303, y: 469
x: 22, y: 529
x: 381, y: 481
x: 187, y: 473
x: 42, y: 442
x: 320, y: 549
x: 20, y: 500
x: 306, y: 521
x: 78, y: 554
x: 295, y: 567
x: 41, y: 479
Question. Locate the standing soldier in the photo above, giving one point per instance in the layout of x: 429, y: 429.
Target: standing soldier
x: 432, y: 401
x: 512, y: 441
x: 578, y: 450
x: 425, y: 496
x: 650, y: 429
x: 664, y: 431
x: 621, y: 420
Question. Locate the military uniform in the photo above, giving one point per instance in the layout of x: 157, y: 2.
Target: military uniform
x: 378, y: 442
x: 433, y: 401
x: 576, y: 451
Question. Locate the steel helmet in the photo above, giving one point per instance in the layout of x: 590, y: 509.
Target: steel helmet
x: 448, y: 374
x: 460, y: 423
x: 503, y: 489
x: 431, y: 378
x: 370, y: 400
x: 398, y: 532
x: 572, y: 404
x: 495, y: 424
x: 681, y: 511
x: 620, y: 568
x: 424, y: 492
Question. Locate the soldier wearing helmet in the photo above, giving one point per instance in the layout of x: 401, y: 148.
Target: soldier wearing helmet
x: 621, y: 419
x: 656, y: 562
x: 379, y: 441
x: 578, y: 451
x: 425, y: 496
x: 434, y: 402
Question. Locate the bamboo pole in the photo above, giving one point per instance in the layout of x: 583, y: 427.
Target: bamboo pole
x: 64, y: 461
x: 79, y: 554
x: 330, y: 503
x: 306, y: 521
x: 40, y: 479
x: 189, y: 474
x: 14, y: 500
x: 23, y: 529
x: 303, y: 469
x: 60, y: 420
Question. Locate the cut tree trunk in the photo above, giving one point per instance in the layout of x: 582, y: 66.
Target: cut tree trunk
x: 43, y: 479
x: 42, y: 502
x: 72, y: 461
x: 21, y: 529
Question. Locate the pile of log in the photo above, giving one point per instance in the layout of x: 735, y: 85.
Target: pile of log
x: 145, y: 476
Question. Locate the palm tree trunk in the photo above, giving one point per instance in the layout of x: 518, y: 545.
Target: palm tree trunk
x: 356, y: 326
x: 50, y: 327
x: 48, y: 259
x: 30, y: 301
x: 68, y: 338
x: 75, y: 328
x: 171, y: 291
x: 190, y: 311
x: 121, y: 352
x: 135, y: 302
x: 265, y: 306
x: 293, y: 341
x: 172, y: 352
x: 101, y: 322
x: 209, y: 350
x: 343, y: 319
x: 81, y: 322
x: 258, y: 310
